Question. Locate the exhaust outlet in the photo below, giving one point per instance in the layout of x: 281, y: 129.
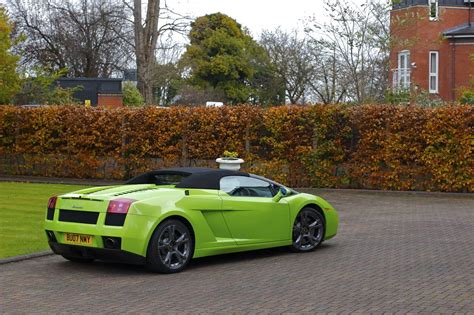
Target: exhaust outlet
x: 112, y: 242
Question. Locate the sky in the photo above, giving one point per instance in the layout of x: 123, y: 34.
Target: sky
x: 257, y: 15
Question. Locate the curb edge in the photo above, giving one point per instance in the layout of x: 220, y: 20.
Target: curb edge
x: 24, y: 257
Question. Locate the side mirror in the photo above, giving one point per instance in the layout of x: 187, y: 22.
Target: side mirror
x: 282, y: 192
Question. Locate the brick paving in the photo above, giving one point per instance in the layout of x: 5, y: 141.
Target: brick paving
x: 395, y: 253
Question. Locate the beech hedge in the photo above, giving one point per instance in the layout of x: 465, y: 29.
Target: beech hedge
x: 370, y: 146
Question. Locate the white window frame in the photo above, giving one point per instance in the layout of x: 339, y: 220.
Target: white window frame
x: 404, y: 72
x: 436, y: 3
x: 433, y: 75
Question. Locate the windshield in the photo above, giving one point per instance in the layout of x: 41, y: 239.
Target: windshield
x: 275, y: 184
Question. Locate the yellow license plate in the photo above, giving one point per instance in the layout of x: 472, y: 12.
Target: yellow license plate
x: 77, y: 239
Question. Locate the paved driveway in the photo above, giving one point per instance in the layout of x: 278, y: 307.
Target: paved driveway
x: 396, y: 252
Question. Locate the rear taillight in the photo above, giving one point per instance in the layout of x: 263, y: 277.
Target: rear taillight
x: 120, y: 205
x: 51, y: 206
x: 52, y: 202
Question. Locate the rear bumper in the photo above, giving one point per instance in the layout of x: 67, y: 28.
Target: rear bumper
x: 115, y: 255
x: 134, y: 234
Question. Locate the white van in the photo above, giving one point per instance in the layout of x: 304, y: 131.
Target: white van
x: 214, y: 104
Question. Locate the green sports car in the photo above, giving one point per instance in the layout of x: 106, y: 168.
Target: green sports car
x: 166, y: 217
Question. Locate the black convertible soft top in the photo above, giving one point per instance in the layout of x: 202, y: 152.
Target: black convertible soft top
x: 191, y: 177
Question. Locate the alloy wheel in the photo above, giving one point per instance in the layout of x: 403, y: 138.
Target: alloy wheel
x: 174, y: 246
x: 308, y: 230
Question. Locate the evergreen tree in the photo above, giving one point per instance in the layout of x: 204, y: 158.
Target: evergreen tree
x: 9, y: 78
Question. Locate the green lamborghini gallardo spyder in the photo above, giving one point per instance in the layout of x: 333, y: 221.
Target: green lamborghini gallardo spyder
x: 166, y: 217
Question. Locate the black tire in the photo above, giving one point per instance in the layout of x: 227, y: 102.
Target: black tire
x: 171, y: 247
x: 82, y: 260
x: 308, y: 230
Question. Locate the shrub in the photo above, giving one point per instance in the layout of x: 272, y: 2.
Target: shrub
x: 467, y: 97
x: 132, y: 96
x: 419, y: 97
x: 370, y: 146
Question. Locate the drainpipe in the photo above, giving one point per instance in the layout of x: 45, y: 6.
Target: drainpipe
x: 469, y: 12
x: 453, y: 71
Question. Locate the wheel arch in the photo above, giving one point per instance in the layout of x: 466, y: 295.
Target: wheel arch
x: 182, y: 220
x: 153, y: 260
x: 171, y: 216
x: 317, y: 208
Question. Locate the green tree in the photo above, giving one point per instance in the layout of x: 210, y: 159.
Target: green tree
x: 167, y: 78
x: 132, y: 96
x: 40, y: 88
x: 223, y: 56
x: 9, y: 79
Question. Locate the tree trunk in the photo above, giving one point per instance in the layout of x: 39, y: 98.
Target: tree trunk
x: 146, y: 36
x: 145, y: 81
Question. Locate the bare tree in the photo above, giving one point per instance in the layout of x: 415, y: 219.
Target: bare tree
x: 329, y: 85
x: 167, y: 71
x: 96, y: 38
x: 77, y: 35
x: 292, y: 60
x: 194, y: 96
x: 360, y: 39
x: 149, y: 25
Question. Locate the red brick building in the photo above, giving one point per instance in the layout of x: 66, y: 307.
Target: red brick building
x: 433, y: 46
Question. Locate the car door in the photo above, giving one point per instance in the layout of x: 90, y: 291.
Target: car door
x: 250, y: 212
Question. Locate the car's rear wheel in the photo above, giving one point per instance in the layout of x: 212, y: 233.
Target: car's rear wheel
x: 171, y: 247
x: 308, y: 230
x: 78, y: 259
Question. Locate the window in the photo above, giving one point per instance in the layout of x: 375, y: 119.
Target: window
x: 167, y: 179
x: 246, y: 186
x: 434, y: 72
x: 403, y: 77
x: 434, y: 10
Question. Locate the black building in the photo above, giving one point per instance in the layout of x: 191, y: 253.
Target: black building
x: 100, y: 92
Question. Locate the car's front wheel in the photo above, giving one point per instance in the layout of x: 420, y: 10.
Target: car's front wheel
x: 308, y: 230
x: 171, y: 247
